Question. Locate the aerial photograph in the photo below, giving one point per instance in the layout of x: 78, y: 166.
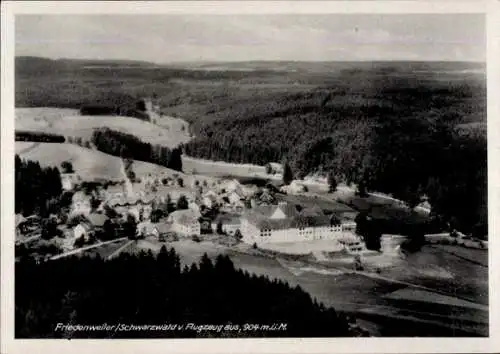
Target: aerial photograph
x: 239, y: 176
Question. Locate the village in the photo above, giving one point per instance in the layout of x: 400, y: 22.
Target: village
x: 163, y: 208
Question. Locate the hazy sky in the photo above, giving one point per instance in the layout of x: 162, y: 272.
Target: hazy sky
x: 172, y: 38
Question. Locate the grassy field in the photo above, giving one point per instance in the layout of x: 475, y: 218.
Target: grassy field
x: 89, y: 164
x: 41, y: 118
x: 221, y: 169
x: 167, y: 131
x: 92, y: 164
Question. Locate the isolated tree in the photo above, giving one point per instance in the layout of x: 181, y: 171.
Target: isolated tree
x: 180, y: 182
x: 67, y: 167
x: 156, y: 215
x: 332, y: 183
x: 175, y: 162
x: 49, y: 228
x: 131, y: 175
x: 95, y: 202
x: 219, y: 228
x: 269, y: 169
x: 130, y: 227
x: 362, y: 191
x: 287, y: 174
x: 238, y: 234
x: 182, y: 203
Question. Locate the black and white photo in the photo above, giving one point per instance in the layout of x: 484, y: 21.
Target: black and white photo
x: 280, y: 175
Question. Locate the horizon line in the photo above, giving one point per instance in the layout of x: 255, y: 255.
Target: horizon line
x: 256, y: 60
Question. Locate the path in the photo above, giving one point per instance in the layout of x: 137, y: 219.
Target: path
x: 120, y: 249
x: 29, y: 239
x: 29, y: 148
x: 80, y: 250
x: 128, y: 183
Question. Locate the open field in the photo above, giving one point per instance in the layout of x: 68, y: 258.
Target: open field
x: 222, y: 169
x: 89, y: 164
x: 167, y: 131
x: 92, y: 164
x: 41, y: 119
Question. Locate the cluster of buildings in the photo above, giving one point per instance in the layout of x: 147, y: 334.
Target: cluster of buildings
x: 258, y: 220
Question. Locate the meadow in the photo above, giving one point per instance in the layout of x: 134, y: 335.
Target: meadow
x: 167, y: 131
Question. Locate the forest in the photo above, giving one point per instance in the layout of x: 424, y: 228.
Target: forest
x: 406, y: 141
x: 147, y: 289
x: 37, y: 189
x: 128, y: 146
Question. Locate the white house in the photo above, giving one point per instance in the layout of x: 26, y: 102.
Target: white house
x: 283, y: 223
x: 185, y: 222
x: 69, y: 180
x: 276, y: 168
x: 235, y: 198
x: 210, y: 199
x: 82, y: 230
x: 147, y: 229
x: 294, y: 188
x: 80, y: 204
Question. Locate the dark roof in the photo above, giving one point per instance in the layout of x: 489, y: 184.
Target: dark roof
x: 231, y: 219
x: 260, y: 217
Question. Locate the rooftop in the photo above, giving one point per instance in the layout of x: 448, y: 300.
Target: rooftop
x: 286, y: 216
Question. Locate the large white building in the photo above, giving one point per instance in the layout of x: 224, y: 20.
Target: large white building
x: 283, y: 223
x: 185, y: 222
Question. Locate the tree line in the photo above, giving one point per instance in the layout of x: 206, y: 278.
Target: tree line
x: 130, y: 147
x: 41, y: 137
x: 37, y: 189
x: 148, y: 289
x: 127, y: 109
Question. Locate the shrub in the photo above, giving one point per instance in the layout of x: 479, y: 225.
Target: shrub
x: 196, y: 238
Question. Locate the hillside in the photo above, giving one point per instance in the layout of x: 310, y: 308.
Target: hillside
x: 91, y: 164
x: 168, y: 131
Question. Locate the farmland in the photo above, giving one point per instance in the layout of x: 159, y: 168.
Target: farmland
x: 167, y: 131
x: 90, y: 164
x: 377, y: 300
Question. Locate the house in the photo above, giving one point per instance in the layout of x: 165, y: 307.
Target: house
x: 81, y: 204
x: 294, y: 188
x: 236, y: 198
x: 185, y: 222
x: 195, y: 207
x: 92, y: 224
x: 69, y: 180
x: 82, y: 230
x: 284, y: 223
x: 210, y: 199
x: 352, y: 244
x: 232, y: 186
x: 147, y: 229
x: 165, y: 232
x: 275, y: 168
x: 229, y: 223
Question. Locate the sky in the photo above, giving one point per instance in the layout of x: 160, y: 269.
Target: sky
x: 181, y: 38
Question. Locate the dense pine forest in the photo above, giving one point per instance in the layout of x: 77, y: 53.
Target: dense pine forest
x: 130, y: 147
x: 37, y: 189
x: 143, y: 289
